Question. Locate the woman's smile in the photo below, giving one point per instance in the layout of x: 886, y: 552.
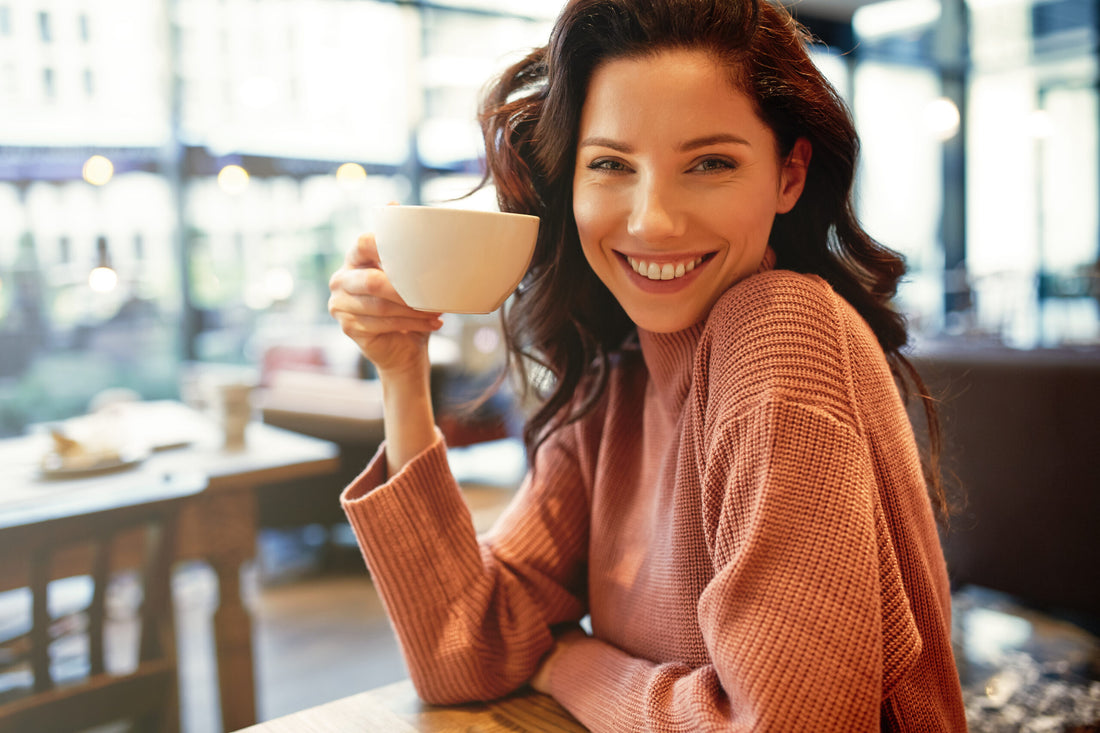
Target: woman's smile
x: 655, y: 270
x: 664, y: 273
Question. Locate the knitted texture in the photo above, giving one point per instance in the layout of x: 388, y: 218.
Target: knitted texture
x: 743, y: 518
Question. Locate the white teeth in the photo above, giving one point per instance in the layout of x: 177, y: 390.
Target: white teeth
x: 667, y: 271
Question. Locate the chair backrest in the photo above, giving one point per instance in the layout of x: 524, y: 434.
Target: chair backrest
x: 146, y: 693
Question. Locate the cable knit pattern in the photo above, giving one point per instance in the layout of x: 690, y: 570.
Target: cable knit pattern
x: 743, y: 518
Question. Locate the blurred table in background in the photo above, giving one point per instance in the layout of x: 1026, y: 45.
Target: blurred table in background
x: 346, y: 411
x: 217, y: 526
x: 337, y: 408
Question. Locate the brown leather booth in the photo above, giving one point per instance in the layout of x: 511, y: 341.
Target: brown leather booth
x: 1022, y: 442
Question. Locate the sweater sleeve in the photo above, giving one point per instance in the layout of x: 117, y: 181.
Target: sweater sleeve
x: 792, y: 618
x: 473, y: 617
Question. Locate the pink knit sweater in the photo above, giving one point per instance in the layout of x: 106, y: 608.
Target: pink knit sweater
x: 743, y: 518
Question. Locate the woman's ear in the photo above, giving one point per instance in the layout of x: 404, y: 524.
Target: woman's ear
x: 792, y: 178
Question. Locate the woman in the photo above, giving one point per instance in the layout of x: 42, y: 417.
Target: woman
x: 723, y: 475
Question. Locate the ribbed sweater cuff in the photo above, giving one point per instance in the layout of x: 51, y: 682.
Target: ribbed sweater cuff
x: 591, y: 673
x: 404, y: 523
x: 373, y: 476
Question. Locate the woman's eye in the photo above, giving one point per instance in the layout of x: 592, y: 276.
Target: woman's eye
x: 709, y: 165
x: 606, y: 164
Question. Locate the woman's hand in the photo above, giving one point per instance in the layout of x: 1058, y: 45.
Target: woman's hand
x: 393, y: 336
x: 541, y: 680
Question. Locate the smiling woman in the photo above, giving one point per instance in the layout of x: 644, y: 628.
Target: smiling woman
x: 724, y: 478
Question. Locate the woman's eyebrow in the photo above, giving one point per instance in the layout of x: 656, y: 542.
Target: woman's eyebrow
x: 605, y: 142
x: 717, y: 139
x: 693, y: 144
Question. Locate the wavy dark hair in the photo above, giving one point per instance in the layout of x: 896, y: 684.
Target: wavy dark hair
x: 562, y: 317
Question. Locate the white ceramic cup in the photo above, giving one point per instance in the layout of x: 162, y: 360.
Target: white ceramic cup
x: 454, y: 260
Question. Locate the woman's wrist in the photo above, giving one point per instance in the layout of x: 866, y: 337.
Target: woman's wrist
x: 407, y: 413
x: 544, y: 675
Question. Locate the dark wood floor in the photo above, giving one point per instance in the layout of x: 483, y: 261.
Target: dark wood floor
x: 318, y: 637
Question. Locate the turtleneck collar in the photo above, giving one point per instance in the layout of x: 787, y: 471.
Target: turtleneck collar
x: 668, y: 359
x: 669, y: 356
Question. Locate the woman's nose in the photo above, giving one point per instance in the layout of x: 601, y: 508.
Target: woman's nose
x: 655, y: 214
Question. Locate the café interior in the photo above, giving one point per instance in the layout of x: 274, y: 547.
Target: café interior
x: 179, y: 178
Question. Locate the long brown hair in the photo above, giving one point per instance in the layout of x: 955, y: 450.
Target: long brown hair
x: 562, y: 317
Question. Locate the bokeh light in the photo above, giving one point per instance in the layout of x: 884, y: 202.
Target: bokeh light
x: 486, y: 340
x: 351, y: 174
x: 279, y: 283
x: 942, y: 119
x: 102, y: 279
x: 233, y: 179
x: 98, y: 170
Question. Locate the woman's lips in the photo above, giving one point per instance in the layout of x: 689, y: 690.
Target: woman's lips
x: 663, y: 271
x: 666, y: 276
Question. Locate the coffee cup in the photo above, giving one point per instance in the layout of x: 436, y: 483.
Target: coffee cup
x: 232, y: 404
x: 454, y: 260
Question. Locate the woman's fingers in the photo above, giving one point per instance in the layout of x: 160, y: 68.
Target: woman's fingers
x: 358, y: 328
x: 374, y: 315
x: 369, y: 281
x: 365, y: 302
x: 373, y: 290
x: 364, y: 253
x: 370, y: 311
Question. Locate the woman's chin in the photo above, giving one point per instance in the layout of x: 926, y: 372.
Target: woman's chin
x: 665, y: 318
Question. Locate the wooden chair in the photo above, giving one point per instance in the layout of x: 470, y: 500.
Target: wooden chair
x: 147, y: 695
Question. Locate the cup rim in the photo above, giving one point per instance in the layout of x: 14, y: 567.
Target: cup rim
x: 454, y: 209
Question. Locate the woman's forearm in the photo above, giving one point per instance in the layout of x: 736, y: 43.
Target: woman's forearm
x: 408, y: 418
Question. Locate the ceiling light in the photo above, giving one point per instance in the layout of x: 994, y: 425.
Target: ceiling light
x: 893, y: 17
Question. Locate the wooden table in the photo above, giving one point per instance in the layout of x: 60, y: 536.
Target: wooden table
x: 396, y: 709
x: 217, y: 526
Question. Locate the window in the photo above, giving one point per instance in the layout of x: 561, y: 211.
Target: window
x: 331, y: 81
x: 44, y: 31
x: 49, y: 84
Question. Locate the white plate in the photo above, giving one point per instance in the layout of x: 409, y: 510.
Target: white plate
x: 54, y: 465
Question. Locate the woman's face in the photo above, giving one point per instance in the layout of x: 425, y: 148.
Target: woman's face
x: 676, y: 184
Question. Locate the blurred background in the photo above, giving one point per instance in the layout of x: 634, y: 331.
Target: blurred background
x: 179, y: 178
